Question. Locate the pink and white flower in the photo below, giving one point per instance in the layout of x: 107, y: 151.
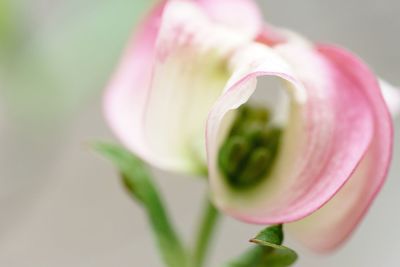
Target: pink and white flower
x: 193, y: 63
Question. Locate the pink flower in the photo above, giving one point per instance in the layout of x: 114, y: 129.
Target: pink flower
x: 193, y: 63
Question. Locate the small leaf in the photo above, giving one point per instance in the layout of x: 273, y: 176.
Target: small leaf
x: 271, y: 236
x: 269, y: 252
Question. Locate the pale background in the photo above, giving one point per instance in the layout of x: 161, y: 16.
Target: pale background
x: 62, y: 205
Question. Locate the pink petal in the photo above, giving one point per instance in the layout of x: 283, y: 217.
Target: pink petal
x: 331, y: 225
x: 241, y: 15
x: 126, y: 95
x: 170, y: 77
x: 330, y: 128
x: 271, y: 36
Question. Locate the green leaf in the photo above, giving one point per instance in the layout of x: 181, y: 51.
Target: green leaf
x: 139, y: 184
x: 271, y: 237
x: 269, y: 252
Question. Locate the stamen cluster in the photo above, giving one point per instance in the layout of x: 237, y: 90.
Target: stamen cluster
x: 251, y: 147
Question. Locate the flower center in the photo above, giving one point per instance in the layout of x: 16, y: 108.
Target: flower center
x: 251, y: 147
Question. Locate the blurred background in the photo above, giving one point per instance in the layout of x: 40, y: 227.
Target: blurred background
x: 62, y: 205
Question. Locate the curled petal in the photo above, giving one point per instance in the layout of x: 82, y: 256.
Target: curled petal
x: 332, y: 224
x: 329, y: 129
x: 391, y: 96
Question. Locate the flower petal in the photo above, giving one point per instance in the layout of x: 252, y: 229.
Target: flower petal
x: 167, y: 84
x: 126, y: 95
x: 329, y: 130
x: 391, y: 96
x: 332, y: 224
x: 241, y: 15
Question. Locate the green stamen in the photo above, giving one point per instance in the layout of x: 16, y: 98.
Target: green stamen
x: 232, y: 153
x: 256, y: 166
x: 249, y: 151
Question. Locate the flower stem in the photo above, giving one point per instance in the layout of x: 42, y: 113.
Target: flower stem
x: 139, y: 184
x: 205, y: 233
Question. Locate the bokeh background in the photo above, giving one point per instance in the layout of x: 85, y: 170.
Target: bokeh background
x: 62, y: 205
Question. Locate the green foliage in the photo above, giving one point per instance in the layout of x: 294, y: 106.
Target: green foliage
x: 140, y: 186
x: 269, y: 252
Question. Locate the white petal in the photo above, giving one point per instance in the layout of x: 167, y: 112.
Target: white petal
x: 189, y: 74
x: 391, y: 96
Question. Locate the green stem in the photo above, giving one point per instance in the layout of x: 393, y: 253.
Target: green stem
x: 165, y: 235
x: 205, y: 234
x: 139, y: 183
